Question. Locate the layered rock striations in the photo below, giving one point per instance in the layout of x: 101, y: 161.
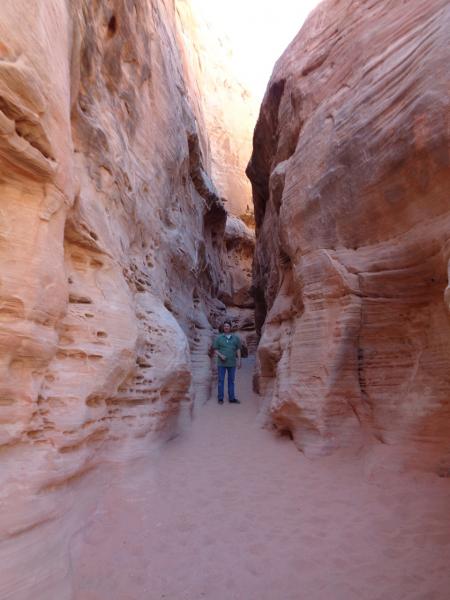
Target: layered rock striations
x: 229, y: 106
x: 350, y: 174
x: 230, y: 114
x: 112, y: 262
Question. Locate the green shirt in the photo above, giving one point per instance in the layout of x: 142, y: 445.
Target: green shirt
x: 228, y: 346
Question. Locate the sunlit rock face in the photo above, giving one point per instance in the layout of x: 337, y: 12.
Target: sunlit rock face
x: 230, y: 114
x: 350, y: 175
x: 112, y: 257
x: 230, y: 111
x: 229, y: 106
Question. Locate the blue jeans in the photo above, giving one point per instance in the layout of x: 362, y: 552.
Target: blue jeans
x: 221, y: 382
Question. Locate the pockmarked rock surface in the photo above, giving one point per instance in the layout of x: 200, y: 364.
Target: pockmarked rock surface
x: 112, y: 258
x: 350, y: 174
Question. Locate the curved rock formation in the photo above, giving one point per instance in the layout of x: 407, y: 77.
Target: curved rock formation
x: 230, y: 113
x: 229, y: 106
x: 350, y: 175
x: 238, y: 296
x: 112, y: 259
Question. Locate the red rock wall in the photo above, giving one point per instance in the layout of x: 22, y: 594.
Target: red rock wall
x: 112, y: 256
x: 350, y: 174
x: 237, y: 295
x: 230, y: 114
x: 228, y: 104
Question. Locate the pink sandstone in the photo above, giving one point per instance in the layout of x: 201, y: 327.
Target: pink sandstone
x: 112, y: 257
x: 350, y: 174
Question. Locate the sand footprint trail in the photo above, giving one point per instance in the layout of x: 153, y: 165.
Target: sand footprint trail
x: 231, y: 512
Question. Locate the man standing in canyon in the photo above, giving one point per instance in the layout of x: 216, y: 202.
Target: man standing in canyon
x: 227, y: 348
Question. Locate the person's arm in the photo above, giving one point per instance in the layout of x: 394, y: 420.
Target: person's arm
x: 216, y: 350
x: 238, y: 354
x: 221, y: 356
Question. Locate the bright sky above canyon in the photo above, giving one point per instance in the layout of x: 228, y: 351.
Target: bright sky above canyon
x: 259, y: 31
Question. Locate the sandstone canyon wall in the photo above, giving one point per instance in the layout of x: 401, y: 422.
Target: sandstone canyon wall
x: 230, y: 112
x: 350, y: 174
x: 229, y: 106
x: 113, y: 258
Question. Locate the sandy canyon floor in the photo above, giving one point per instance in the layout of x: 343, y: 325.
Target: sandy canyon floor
x: 228, y: 511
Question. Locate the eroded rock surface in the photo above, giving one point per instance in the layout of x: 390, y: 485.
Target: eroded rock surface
x: 229, y: 106
x: 112, y: 261
x: 350, y: 175
x: 230, y: 114
x: 237, y: 296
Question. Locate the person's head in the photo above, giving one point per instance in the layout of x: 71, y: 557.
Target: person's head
x: 227, y: 326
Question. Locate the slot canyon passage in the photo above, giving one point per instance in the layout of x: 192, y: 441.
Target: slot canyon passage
x: 129, y: 232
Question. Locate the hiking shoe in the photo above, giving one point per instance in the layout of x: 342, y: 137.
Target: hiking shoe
x: 235, y: 401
